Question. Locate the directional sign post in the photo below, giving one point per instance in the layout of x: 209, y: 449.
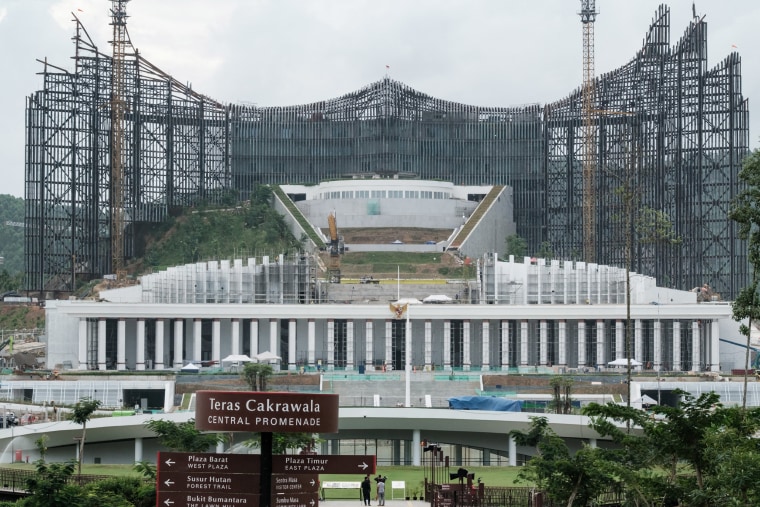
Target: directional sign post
x: 323, y: 464
x: 295, y: 500
x: 208, y: 462
x: 298, y: 484
x: 188, y: 499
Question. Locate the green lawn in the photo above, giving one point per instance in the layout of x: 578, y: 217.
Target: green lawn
x: 414, y: 476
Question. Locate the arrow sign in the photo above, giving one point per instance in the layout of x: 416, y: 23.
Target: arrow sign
x: 203, y: 482
x: 209, y: 462
x: 181, y: 499
x: 295, y: 500
x: 294, y: 484
x: 310, y: 464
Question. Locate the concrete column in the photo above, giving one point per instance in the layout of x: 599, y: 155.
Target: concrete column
x: 543, y: 342
x: 562, y: 343
x: 388, y: 357
x: 592, y: 443
x: 312, y: 342
x: 637, y: 341
x: 179, y: 339
x: 235, y: 336
x: 466, y: 345
x: 101, y: 344
x: 504, y: 345
x: 696, y: 353
x: 486, y: 342
x: 512, y: 451
x: 601, y: 344
x: 274, y: 334
x: 253, y: 344
x: 581, y: 343
x: 140, y: 361
x: 657, y: 346
x: 368, y: 344
x: 350, y: 345
x: 121, y: 345
x: 416, y: 461
x: 620, y: 352
x: 677, y: 345
x: 82, y: 354
x: 428, y: 345
x: 447, y: 345
x: 292, y: 340
x: 523, y: 343
x: 197, y: 340
x: 714, y: 359
x: 330, y: 366
x: 216, y: 341
x: 159, y: 364
x: 138, y: 449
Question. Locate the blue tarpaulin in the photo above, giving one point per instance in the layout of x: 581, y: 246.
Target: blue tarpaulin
x: 485, y: 403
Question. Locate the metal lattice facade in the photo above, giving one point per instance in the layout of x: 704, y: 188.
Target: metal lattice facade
x: 688, y: 123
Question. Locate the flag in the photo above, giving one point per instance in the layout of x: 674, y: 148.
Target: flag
x: 734, y: 46
x: 387, y: 67
x: 80, y: 10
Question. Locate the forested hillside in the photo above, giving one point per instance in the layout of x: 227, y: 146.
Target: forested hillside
x: 11, y: 234
x: 200, y: 234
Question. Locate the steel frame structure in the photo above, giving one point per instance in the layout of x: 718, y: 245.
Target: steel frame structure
x: 689, y: 124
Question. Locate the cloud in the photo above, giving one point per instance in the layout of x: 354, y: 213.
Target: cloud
x: 3, y: 13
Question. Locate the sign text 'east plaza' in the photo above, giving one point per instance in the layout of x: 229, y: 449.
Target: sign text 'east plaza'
x: 266, y: 412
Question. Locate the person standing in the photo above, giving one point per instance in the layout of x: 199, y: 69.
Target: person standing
x: 366, y: 490
x: 381, y: 492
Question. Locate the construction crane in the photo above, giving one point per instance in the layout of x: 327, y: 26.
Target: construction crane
x: 336, y: 250
x: 588, y: 16
x: 118, y: 106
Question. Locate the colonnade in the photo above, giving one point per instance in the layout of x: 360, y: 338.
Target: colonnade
x: 467, y: 344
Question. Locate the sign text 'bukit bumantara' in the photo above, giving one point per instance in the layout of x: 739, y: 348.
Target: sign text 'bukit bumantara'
x: 266, y: 412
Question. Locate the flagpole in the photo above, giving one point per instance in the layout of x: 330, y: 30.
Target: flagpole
x: 398, y: 283
x: 407, y: 354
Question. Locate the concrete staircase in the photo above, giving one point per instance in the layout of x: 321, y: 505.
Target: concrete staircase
x: 389, y: 389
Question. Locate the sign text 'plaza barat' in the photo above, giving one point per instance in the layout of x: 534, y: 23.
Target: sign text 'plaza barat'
x: 265, y: 411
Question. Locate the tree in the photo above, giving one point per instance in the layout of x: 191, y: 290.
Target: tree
x: 516, y: 245
x: 282, y: 442
x: 561, y: 387
x: 256, y: 375
x: 692, y: 443
x: 745, y: 211
x: 183, y: 437
x: 80, y: 414
x: 573, y: 479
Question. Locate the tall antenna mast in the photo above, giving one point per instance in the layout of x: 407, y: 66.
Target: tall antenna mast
x: 118, y: 106
x: 588, y: 16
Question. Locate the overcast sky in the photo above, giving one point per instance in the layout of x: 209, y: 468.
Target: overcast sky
x: 285, y: 52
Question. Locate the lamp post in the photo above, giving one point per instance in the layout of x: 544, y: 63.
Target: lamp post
x: 407, y: 358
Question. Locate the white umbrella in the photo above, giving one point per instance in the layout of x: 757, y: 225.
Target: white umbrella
x: 437, y: 298
x: 237, y: 358
x: 267, y: 356
x: 623, y: 361
x: 646, y: 400
x: 190, y: 367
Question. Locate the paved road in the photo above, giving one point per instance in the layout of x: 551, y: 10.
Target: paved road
x: 358, y: 503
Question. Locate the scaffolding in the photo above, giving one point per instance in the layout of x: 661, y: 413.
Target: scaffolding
x: 183, y: 148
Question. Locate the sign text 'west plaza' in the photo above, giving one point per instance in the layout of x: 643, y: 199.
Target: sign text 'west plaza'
x: 266, y: 412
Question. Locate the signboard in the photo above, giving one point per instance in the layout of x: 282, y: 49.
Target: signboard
x: 287, y: 484
x: 188, y: 499
x: 226, y: 411
x: 322, y: 464
x: 208, y: 482
x: 293, y: 500
x: 209, y: 462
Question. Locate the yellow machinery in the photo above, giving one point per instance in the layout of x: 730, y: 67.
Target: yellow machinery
x: 336, y: 250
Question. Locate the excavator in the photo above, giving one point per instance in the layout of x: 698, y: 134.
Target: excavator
x: 336, y: 250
